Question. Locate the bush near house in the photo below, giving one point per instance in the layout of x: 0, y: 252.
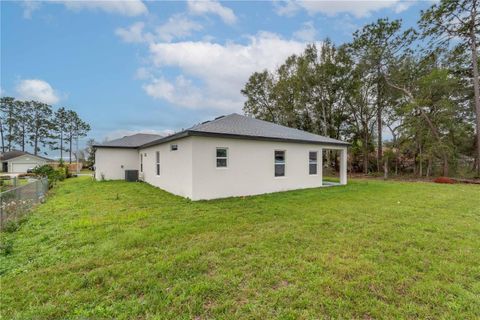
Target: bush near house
x: 369, y: 250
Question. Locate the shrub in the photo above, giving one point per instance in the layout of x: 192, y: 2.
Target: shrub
x: 62, y: 173
x: 6, y: 247
x: 444, y: 180
x: 64, y: 170
x: 53, y: 175
x: 43, y: 171
x: 11, y: 226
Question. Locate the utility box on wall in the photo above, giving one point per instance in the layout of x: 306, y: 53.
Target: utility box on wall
x: 131, y: 175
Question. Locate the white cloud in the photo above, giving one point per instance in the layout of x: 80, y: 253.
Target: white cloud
x: 143, y: 73
x: 212, y: 7
x: 134, y: 33
x: 177, y: 26
x: 286, y: 8
x: 184, y: 93
x: 129, y: 8
x: 213, y: 74
x: 402, y: 6
x: 29, y: 7
x: 307, y: 32
x: 358, y: 8
x: 36, y: 89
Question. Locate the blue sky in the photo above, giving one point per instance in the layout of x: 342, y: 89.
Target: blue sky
x: 136, y: 66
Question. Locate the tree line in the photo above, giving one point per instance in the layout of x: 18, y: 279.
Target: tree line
x: 421, y: 85
x: 36, y: 125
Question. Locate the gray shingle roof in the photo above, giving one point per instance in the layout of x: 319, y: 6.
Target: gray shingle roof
x: 8, y: 155
x: 132, y: 141
x: 238, y: 126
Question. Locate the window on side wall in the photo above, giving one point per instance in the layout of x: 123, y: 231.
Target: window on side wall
x: 141, y: 162
x: 173, y: 147
x: 279, y: 163
x: 312, y: 162
x: 157, y: 162
x: 222, y: 157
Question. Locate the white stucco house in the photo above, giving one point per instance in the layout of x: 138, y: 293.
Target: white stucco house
x: 233, y: 155
x: 20, y: 162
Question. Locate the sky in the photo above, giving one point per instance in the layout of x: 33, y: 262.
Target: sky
x: 158, y: 67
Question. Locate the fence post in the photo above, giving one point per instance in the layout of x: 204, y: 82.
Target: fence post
x: 1, y: 211
x: 18, y: 197
x: 36, y: 191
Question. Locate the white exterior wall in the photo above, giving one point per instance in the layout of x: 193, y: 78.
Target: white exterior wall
x: 250, y: 168
x: 112, y: 162
x: 191, y: 170
x: 175, y: 167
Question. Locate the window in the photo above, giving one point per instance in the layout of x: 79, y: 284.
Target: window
x: 173, y: 147
x: 312, y: 162
x: 279, y: 163
x: 157, y: 164
x: 222, y: 154
x: 141, y: 162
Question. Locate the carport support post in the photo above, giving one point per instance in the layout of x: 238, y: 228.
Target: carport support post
x: 320, y: 165
x: 343, y: 166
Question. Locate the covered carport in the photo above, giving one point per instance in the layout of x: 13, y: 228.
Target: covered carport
x: 334, y: 165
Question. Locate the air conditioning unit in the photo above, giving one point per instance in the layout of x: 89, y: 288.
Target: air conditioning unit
x: 131, y: 175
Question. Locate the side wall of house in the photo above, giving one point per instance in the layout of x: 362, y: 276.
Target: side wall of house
x: 251, y: 167
x: 175, y: 167
x: 111, y: 163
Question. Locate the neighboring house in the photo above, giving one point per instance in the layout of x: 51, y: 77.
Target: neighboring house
x: 20, y: 162
x: 232, y: 155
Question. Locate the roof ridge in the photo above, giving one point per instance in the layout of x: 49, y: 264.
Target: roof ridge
x: 235, y: 125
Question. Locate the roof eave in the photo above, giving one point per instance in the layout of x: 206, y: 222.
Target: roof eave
x: 114, y: 147
x: 27, y: 154
x: 187, y: 133
x: 172, y: 137
x: 263, y: 138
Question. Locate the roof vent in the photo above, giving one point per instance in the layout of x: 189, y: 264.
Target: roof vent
x: 220, y: 117
x: 205, y: 121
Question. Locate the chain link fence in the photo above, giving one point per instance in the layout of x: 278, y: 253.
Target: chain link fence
x: 18, y: 201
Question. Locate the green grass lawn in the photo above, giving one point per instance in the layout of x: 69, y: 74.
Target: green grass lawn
x: 372, y: 249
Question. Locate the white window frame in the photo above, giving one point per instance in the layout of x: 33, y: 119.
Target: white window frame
x: 217, y: 158
x: 316, y: 163
x: 157, y: 163
x: 284, y: 164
